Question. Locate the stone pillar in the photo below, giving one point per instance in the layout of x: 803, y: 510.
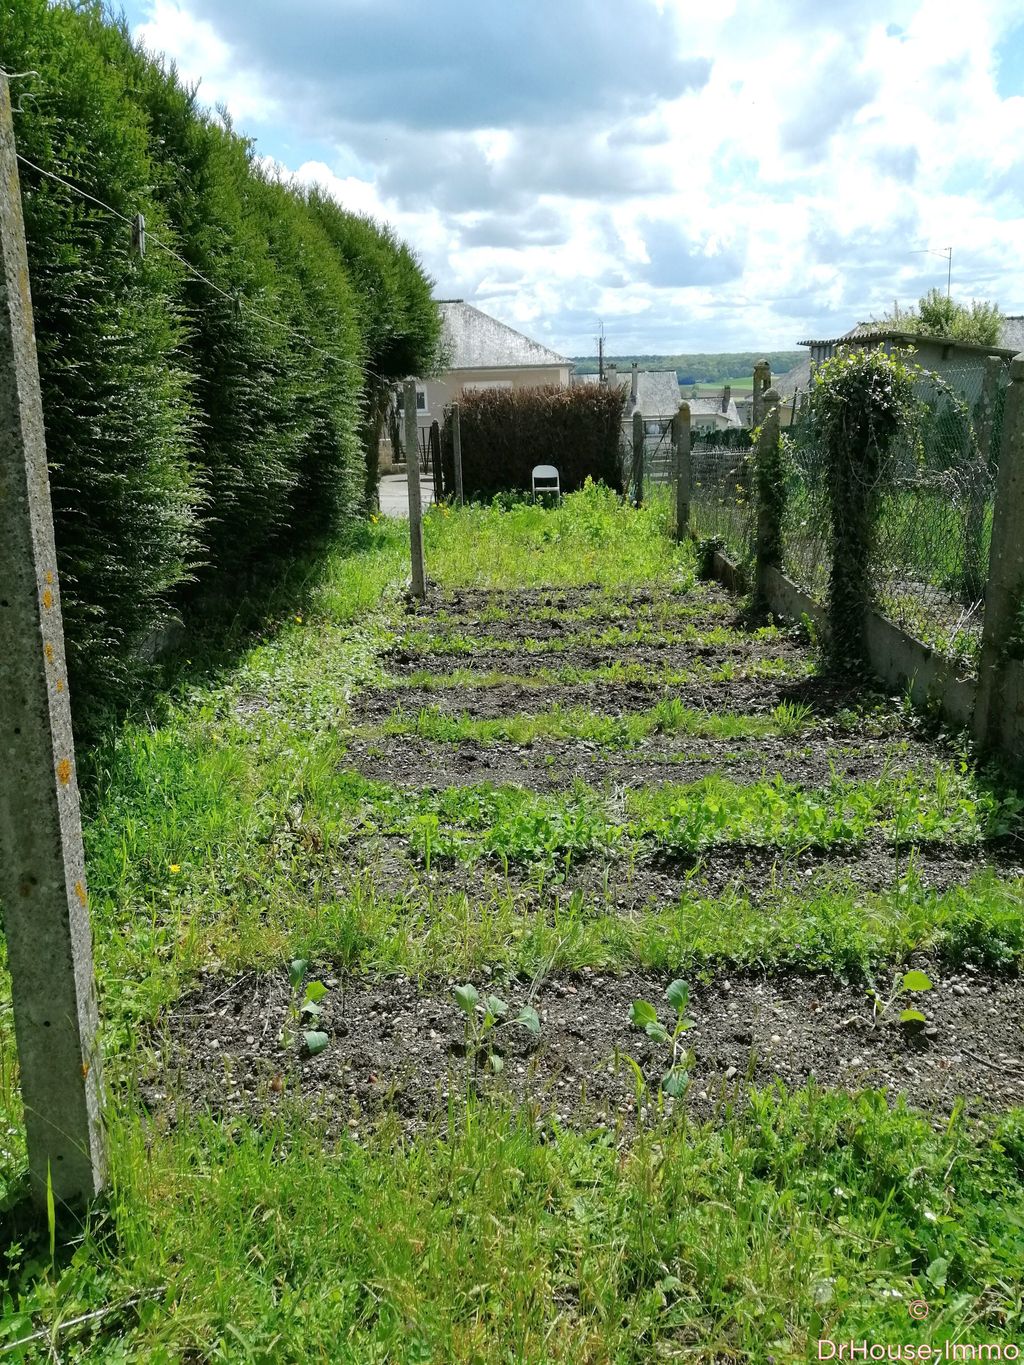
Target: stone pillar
x: 762, y: 379
x: 682, y: 472
x: 771, y: 493
x: 418, y: 581
x: 42, y: 864
x: 1003, y: 593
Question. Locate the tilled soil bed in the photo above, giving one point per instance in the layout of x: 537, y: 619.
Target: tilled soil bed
x: 395, y: 1047
x: 551, y: 765
x: 654, y: 882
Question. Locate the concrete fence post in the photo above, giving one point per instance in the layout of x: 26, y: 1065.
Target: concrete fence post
x: 418, y: 582
x: 457, y: 453
x: 977, y: 478
x: 42, y: 864
x: 769, y: 483
x: 1005, y: 590
x: 638, y: 458
x: 762, y: 381
x: 682, y: 473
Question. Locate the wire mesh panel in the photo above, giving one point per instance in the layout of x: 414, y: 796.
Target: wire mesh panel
x: 806, y: 537
x: 656, y: 467
x: 932, y: 510
x: 721, y: 495
x: 934, y: 513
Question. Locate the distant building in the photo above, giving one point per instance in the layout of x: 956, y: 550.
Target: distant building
x: 960, y: 363
x: 652, y: 393
x: 482, y: 353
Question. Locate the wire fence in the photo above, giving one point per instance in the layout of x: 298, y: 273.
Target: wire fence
x: 932, y: 512
x: 721, y: 494
x: 654, y: 465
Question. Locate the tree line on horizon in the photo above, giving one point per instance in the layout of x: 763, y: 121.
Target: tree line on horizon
x: 698, y: 368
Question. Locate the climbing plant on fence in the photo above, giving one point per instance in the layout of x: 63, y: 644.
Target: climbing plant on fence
x: 863, y: 401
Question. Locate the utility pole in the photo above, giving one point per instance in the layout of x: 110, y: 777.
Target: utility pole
x: 600, y: 355
x: 42, y: 863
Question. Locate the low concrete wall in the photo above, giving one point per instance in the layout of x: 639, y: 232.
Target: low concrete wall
x: 899, y: 660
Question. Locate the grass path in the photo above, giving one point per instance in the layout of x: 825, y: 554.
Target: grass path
x: 236, y: 830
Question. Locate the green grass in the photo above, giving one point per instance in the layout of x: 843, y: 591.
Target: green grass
x: 218, y: 830
x: 813, y: 1215
x: 616, y: 672
x: 667, y: 717
x: 425, y: 641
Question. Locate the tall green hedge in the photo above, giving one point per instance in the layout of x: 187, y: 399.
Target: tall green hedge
x: 506, y: 432
x: 198, y: 430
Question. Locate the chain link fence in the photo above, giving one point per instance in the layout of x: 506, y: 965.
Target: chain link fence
x: 721, y: 493
x: 932, y: 511
x: 653, y: 466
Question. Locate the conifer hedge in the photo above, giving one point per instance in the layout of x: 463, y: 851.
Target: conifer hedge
x: 198, y: 430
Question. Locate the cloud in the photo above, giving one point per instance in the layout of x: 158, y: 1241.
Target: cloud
x: 837, y: 91
x: 899, y: 163
x: 764, y: 175
x: 676, y: 261
x: 458, y: 66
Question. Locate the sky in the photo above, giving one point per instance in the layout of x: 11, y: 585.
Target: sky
x: 739, y: 175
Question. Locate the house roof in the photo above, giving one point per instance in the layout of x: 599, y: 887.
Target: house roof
x: 657, y: 391
x: 798, y: 378
x: 473, y: 340
x: 874, y: 331
x: 711, y: 407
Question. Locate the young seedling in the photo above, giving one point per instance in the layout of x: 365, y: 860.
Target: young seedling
x: 484, y: 1016
x: 913, y: 982
x: 644, y: 1015
x: 304, y: 1008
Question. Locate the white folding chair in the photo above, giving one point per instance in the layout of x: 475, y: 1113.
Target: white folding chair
x: 545, y: 480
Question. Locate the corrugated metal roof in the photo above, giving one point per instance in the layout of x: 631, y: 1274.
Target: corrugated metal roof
x: 475, y: 341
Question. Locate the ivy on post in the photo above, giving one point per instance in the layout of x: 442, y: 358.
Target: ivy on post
x: 1004, y: 594
x: 681, y: 435
x: 42, y: 864
x: 862, y: 401
x: 770, y: 494
x: 638, y: 458
x: 418, y: 582
x: 979, y: 473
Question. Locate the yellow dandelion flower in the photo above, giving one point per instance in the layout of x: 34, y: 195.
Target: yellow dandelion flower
x: 174, y: 867
x: 299, y: 619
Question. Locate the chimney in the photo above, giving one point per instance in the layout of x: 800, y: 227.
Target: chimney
x: 611, y: 375
x: 633, y: 382
x: 726, y: 397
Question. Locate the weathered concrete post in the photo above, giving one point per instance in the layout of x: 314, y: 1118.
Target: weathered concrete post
x: 682, y: 472
x: 978, y: 474
x: 638, y: 457
x: 418, y: 584
x: 42, y: 865
x: 769, y: 482
x: 1006, y: 563
x: 457, y: 452
x: 762, y: 381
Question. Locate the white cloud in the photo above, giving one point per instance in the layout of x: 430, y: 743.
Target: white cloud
x: 791, y: 192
